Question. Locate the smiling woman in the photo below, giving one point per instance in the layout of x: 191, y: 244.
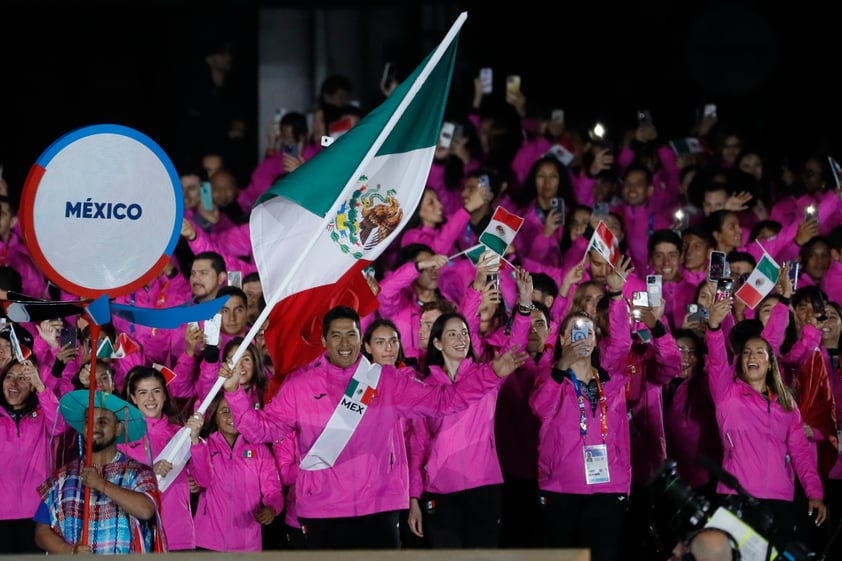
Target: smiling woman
x: 146, y: 388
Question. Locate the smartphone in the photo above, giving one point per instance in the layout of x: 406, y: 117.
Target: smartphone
x: 212, y: 327
x: 811, y: 213
x: 716, y: 265
x: 640, y: 299
x: 644, y: 118
x: 512, y: 85
x: 724, y: 289
x: 68, y: 336
x: 458, y: 131
x: 235, y: 278
x: 485, y: 186
x: 557, y: 203
x: 493, y: 278
x: 654, y: 289
x: 207, y: 195
x: 680, y: 220
x: 697, y: 313
x: 794, y: 273
x: 600, y: 209
x: 580, y: 330
x: 291, y: 150
x: 486, y: 76
x: 709, y: 110
x: 557, y: 116
x: 446, y: 135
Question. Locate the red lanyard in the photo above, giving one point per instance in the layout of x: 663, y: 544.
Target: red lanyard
x: 603, y: 405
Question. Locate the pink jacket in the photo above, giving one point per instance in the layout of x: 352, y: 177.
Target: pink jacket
x: 531, y: 242
x: 15, y: 254
x: 457, y: 451
x: 269, y: 170
x: 655, y: 365
x: 561, y: 461
x: 516, y: 426
x: 236, y: 481
x: 689, y: 426
x: 370, y: 475
x: 287, y: 460
x: 234, y: 245
x: 441, y: 240
x: 27, y: 452
x: 399, y: 304
x: 763, y: 445
x: 639, y: 222
x: 175, y: 501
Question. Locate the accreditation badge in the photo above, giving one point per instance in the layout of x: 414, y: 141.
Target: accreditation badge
x: 596, y: 464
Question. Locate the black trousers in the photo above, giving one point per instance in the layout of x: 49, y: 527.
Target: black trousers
x: 18, y: 536
x: 464, y: 519
x: 592, y: 521
x: 372, y: 531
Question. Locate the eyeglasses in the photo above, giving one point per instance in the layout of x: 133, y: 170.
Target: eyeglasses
x: 688, y: 350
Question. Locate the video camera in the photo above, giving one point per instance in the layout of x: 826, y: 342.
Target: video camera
x: 691, y: 510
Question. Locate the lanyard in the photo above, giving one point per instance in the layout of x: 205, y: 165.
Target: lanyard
x: 603, y: 406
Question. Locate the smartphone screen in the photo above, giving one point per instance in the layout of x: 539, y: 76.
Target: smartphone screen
x: 580, y: 330
x: 493, y: 278
x: 811, y: 213
x: 235, y: 278
x: 724, y: 289
x: 640, y: 299
x: 716, y: 265
x: 446, y: 135
x: 486, y: 76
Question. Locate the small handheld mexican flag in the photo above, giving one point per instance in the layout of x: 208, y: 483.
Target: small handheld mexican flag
x: 760, y: 283
x: 605, y: 243
x: 501, y: 231
x: 22, y: 352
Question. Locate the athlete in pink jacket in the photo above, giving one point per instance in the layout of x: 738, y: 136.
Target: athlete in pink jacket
x: 28, y: 417
x: 146, y: 389
x: 354, y: 501
x: 762, y: 433
x: 584, y: 467
x: 242, y: 487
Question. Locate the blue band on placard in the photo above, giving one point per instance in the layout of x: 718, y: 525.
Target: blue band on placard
x: 169, y: 318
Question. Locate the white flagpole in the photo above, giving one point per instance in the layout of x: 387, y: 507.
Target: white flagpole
x: 175, y: 449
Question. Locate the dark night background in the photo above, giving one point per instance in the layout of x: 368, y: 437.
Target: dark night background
x: 771, y: 70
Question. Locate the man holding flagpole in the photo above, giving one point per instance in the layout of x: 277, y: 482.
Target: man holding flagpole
x: 352, y: 484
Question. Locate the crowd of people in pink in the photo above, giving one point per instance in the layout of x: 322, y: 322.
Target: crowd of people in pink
x: 519, y: 401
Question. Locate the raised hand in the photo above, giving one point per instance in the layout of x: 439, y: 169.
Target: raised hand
x: 506, y: 363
